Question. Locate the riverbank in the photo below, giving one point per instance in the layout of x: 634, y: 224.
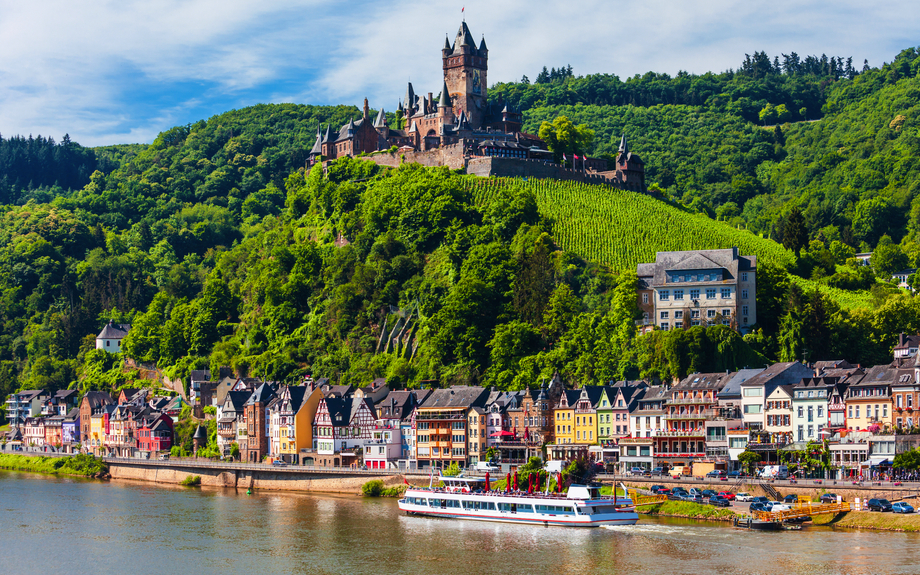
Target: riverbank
x: 78, y: 465
x: 688, y: 510
x: 873, y: 520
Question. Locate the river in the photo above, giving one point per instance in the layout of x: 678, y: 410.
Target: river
x: 76, y: 526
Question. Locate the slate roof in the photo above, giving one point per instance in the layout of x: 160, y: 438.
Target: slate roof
x: 732, y: 389
x: 727, y: 261
x: 694, y: 381
x: 318, y: 145
x: 98, y: 399
x: 444, y: 100
x: 457, y: 396
x: 778, y: 374
x: 201, y: 375
x: 114, y: 331
x: 821, y: 366
x: 263, y: 394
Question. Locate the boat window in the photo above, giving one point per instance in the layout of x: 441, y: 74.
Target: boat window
x: 469, y: 504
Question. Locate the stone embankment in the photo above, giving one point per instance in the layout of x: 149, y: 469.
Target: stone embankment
x: 249, y: 476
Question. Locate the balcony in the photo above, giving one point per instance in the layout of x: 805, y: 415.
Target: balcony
x: 675, y: 454
x: 694, y: 433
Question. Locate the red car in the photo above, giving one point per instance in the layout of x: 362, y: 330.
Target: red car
x: 727, y: 495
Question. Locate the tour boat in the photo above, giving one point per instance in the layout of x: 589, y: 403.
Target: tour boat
x: 471, y: 498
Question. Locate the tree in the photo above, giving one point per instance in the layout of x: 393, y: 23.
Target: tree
x: 748, y: 460
x: 795, y: 234
x: 908, y: 460
x: 767, y: 114
x: 887, y: 258
x: 564, y: 137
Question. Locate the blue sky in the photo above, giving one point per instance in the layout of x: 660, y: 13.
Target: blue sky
x: 119, y: 71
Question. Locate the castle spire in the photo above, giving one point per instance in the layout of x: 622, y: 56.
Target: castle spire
x: 444, y: 98
x: 318, y: 146
x: 381, y: 120
x: 446, y: 42
x: 624, y: 147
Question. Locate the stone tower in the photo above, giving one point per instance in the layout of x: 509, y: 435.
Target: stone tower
x: 465, y: 68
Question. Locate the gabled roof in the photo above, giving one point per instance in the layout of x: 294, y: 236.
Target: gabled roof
x: 714, y: 381
x: 778, y: 374
x: 878, y: 375
x: 732, y: 389
x: 381, y: 121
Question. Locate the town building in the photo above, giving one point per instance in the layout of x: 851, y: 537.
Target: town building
x: 231, y: 427
x: 91, y: 406
x: 691, y: 403
x: 907, y: 346
x: 869, y: 400
x: 778, y: 412
x: 700, y: 287
x: 256, y: 413
x: 441, y: 425
x: 757, y: 388
x: 25, y: 404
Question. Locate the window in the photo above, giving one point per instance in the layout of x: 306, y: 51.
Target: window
x: 645, y: 298
x: 694, y: 294
x: 811, y: 393
x: 664, y: 315
x: 744, y: 277
x: 744, y: 294
x: 664, y: 294
x: 801, y: 411
x: 910, y: 400
x: 850, y: 414
x: 753, y: 392
x: 679, y: 314
x: 801, y: 431
x: 711, y: 313
x: 744, y: 311
x: 694, y: 313
x: 811, y: 414
x: 820, y: 411
x: 857, y: 411
x: 710, y: 293
x: 679, y: 294
x: 664, y: 326
x: 753, y: 409
x: 898, y: 400
x: 811, y: 431
x: 726, y: 293
x: 884, y: 410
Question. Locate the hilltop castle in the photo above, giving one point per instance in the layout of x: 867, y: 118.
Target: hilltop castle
x: 462, y: 129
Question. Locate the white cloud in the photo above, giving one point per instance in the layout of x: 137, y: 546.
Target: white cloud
x: 110, y: 72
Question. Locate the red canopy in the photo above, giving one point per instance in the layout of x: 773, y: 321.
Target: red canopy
x: 502, y: 433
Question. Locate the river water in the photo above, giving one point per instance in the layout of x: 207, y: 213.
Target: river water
x: 75, y: 526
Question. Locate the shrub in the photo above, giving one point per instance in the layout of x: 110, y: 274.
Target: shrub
x: 191, y: 481
x: 372, y: 488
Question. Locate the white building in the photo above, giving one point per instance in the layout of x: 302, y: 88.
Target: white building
x: 702, y: 287
x: 111, y: 335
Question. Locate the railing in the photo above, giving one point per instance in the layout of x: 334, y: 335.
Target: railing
x: 694, y: 433
x: 676, y: 454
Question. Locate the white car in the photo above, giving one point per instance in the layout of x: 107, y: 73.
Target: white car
x: 744, y: 497
x: 777, y: 506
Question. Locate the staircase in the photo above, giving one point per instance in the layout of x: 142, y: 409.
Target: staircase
x: 774, y: 494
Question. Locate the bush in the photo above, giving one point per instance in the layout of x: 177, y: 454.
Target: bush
x: 373, y: 488
x: 191, y: 481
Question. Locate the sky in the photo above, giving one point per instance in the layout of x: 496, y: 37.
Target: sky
x: 120, y: 71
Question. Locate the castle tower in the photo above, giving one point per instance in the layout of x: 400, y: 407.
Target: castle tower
x: 465, y: 68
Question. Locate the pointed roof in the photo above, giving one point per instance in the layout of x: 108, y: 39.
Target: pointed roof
x: 318, y: 145
x: 201, y: 433
x: 263, y: 394
x: 464, y: 38
x: 624, y: 147
x: 114, y: 331
x: 414, y: 128
x: 444, y: 98
x: 482, y: 45
x: 328, y: 136
x: 400, y: 108
x: 446, y: 42
x: 410, y: 96
x: 381, y: 121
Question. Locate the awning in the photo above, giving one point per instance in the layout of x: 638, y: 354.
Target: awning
x: 877, y: 461
x: 502, y: 433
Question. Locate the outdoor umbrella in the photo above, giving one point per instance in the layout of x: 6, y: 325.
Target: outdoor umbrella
x: 508, y: 483
x: 515, y: 481
x: 487, y: 481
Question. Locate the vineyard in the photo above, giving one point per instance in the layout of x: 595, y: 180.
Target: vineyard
x: 622, y: 228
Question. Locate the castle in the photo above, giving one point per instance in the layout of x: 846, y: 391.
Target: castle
x: 462, y: 129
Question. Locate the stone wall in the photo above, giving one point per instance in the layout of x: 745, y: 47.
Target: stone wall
x: 451, y: 156
x: 269, y: 479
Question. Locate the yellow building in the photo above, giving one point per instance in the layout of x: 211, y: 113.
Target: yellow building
x: 291, y: 417
x: 97, y: 432
x: 869, y: 401
x: 564, y: 418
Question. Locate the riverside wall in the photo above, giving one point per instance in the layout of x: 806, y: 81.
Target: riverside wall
x: 845, y: 489
x: 268, y: 479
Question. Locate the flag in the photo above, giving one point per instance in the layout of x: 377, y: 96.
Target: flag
x: 575, y: 156
x: 563, y: 158
x: 462, y: 9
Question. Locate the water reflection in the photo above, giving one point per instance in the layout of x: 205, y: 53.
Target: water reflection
x: 94, y: 527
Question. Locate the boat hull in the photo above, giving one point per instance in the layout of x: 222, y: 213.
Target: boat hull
x: 526, y: 510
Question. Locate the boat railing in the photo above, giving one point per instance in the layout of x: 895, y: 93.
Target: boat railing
x: 519, y: 494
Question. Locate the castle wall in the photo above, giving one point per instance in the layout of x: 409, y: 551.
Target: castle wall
x: 451, y: 156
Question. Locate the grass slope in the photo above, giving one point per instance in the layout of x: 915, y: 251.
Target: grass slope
x: 84, y: 465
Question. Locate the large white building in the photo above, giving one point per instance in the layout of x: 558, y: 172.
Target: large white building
x: 703, y: 287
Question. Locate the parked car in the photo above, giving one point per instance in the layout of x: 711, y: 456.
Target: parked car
x: 279, y: 463
x: 716, y: 473
x: 791, y: 498
x: 878, y: 505
x: 735, y: 474
x: 664, y: 491
x: 744, y: 496
x: 708, y: 493
x: 719, y: 501
x: 637, y: 471
x: 828, y: 498
x: 775, y: 506
x: 760, y: 499
x: 655, y: 488
x: 727, y: 495
x: 901, y: 507
x: 757, y: 506
x: 658, y: 472
x: 696, y: 492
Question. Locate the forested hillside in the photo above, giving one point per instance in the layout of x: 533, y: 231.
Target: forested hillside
x: 221, y: 250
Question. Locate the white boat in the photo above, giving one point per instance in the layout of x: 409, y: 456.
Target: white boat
x: 468, y: 498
